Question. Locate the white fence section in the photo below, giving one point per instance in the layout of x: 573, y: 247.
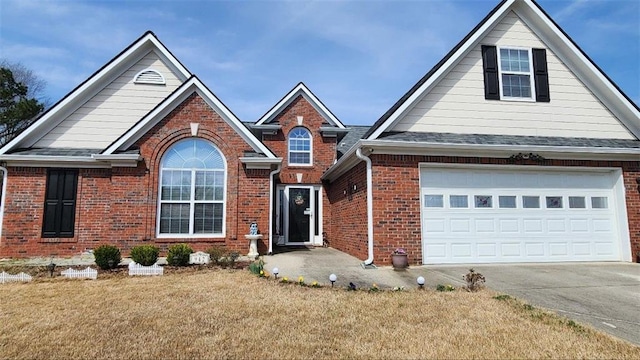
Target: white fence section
x: 6, y: 277
x: 199, y: 258
x: 88, y: 273
x: 137, y: 269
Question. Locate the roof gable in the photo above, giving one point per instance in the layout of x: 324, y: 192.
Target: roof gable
x: 147, y: 44
x: 626, y: 112
x: 171, y: 102
x: 300, y: 90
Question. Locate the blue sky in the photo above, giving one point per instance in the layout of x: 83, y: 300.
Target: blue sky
x: 358, y: 57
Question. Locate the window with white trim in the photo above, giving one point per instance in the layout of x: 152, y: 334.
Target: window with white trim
x: 512, y: 73
x: 192, y: 190
x: 515, y: 73
x: 299, y: 146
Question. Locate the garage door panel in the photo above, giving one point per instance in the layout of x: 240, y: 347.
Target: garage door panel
x: 487, y: 250
x: 481, y: 216
x: 579, y: 225
x: 556, y: 225
x: 558, y: 249
x: 434, y: 225
x: 534, y: 249
x: 581, y: 248
x: 532, y: 226
x: 460, y: 225
x: 461, y: 250
x: 484, y: 225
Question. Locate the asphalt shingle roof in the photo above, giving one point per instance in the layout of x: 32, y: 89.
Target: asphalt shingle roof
x: 449, y: 138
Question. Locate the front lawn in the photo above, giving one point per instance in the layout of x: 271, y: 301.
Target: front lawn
x: 216, y: 313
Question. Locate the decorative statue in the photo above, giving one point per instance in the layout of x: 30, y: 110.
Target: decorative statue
x: 253, y: 229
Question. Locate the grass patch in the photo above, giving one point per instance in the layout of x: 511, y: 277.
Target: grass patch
x: 220, y: 313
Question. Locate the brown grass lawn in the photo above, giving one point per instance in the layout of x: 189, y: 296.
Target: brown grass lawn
x: 233, y: 314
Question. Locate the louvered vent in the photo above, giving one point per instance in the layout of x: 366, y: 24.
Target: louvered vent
x: 149, y: 76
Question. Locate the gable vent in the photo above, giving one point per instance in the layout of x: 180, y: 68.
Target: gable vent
x: 149, y: 76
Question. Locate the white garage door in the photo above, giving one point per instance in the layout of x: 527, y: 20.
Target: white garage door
x: 489, y: 216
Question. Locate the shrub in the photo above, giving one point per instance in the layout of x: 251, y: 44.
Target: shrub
x: 257, y: 267
x: 178, y: 255
x: 145, y: 255
x: 107, y: 256
x: 216, y: 253
x: 474, y: 280
x: 447, y: 287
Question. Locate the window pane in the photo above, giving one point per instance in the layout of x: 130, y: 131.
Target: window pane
x: 516, y: 85
x: 599, y: 202
x: 483, y: 201
x: 299, y: 158
x: 459, y: 201
x: 433, y: 201
x: 174, y: 219
x: 530, y: 202
x: 176, y: 185
x: 507, y: 202
x: 554, y: 202
x: 207, y: 219
x: 577, y: 202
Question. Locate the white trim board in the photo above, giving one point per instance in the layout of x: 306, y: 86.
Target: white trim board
x: 300, y: 89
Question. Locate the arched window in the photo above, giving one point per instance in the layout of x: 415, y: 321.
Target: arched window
x: 192, y: 190
x: 299, y: 146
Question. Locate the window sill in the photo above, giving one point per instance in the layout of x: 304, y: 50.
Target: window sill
x: 58, y: 240
x: 529, y: 100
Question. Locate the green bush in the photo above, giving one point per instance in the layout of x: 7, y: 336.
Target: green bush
x: 216, y: 254
x: 256, y: 267
x: 145, y: 255
x: 107, y: 256
x: 178, y: 255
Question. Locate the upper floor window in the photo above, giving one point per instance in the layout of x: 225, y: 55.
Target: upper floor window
x: 192, y: 190
x: 299, y: 147
x: 515, y: 74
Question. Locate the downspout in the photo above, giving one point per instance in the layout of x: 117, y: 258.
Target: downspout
x: 369, y: 260
x: 5, y: 173
x: 271, y: 206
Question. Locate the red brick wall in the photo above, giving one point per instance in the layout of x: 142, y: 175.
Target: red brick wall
x: 396, y: 199
x: 323, y: 150
x: 119, y: 206
x: 349, y: 212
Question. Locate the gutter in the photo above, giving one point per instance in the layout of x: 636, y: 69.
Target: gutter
x: 271, y: 207
x: 5, y: 174
x: 369, y: 260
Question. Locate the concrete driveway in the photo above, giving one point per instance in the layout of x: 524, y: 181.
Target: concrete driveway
x: 604, y: 295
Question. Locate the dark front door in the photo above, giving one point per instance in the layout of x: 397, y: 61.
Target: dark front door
x: 299, y: 214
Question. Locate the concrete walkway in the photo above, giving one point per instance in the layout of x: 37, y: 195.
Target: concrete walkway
x: 316, y: 264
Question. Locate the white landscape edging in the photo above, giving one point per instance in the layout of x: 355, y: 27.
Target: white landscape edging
x: 137, y: 269
x: 22, y: 277
x: 87, y: 273
x: 199, y: 258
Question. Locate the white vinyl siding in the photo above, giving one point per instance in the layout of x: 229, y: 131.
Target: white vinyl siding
x: 457, y: 103
x: 113, y: 110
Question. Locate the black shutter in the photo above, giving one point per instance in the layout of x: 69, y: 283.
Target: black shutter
x: 60, y: 203
x: 490, y: 67
x: 50, y: 226
x: 540, y: 74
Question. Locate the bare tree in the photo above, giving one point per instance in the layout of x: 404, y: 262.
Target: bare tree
x: 36, y: 85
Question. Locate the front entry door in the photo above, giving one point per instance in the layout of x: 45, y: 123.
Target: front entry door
x: 299, y: 209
